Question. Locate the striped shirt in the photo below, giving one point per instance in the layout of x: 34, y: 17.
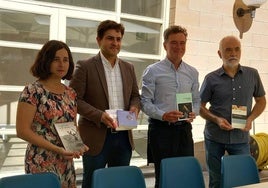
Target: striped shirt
x: 114, y: 83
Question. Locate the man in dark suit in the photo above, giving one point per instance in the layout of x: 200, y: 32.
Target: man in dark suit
x: 105, y: 82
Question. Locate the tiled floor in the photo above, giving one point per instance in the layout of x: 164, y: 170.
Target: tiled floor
x: 12, y: 160
x: 12, y: 157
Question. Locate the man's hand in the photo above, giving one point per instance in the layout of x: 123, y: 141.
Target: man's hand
x: 248, y: 126
x: 172, y: 116
x: 224, y: 124
x: 108, y: 120
x: 135, y: 110
x: 191, y: 117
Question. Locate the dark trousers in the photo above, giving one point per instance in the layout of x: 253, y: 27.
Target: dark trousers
x: 169, y: 140
x: 116, y: 152
x: 214, y: 153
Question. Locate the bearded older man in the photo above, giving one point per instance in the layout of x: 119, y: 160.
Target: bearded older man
x: 232, y: 84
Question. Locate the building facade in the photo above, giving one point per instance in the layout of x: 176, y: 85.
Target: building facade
x: 25, y: 25
x: 207, y: 21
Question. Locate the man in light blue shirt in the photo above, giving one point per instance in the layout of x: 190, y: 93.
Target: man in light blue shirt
x: 167, y: 135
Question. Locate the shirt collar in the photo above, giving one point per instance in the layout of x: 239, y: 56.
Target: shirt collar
x: 169, y: 64
x: 222, y: 71
x: 106, y: 62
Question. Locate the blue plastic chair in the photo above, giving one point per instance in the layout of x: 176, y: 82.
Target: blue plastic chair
x: 181, y: 172
x: 238, y: 170
x: 121, y: 176
x: 40, y: 180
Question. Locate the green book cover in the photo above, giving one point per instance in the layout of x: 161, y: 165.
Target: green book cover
x: 184, y: 103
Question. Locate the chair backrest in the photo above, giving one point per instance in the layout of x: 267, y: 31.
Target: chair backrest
x: 238, y: 170
x: 40, y: 180
x: 121, y: 176
x: 181, y: 172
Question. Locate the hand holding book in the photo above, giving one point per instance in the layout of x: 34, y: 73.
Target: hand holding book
x: 124, y: 120
x: 70, y: 137
x: 239, y: 116
x: 184, y: 104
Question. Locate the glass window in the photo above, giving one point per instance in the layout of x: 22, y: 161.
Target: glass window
x: 141, y: 37
x: 23, y: 26
x: 81, y: 33
x: 139, y: 65
x: 15, y: 65
x: 97, y: 4
x: 8, y: 107
x: 81, y: 56
x: 150, y: 8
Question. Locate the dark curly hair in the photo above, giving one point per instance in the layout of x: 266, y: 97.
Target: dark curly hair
x: 109, y: 24
x: 44, y: 58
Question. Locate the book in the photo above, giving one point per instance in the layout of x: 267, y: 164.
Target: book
x: 126, y: 120
x: 113, y: 114
x: 239, y: 116
x: 69, y: 136
x: 184, y: 103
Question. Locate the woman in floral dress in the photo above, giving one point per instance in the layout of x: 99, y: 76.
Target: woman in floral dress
x: 42, y: 104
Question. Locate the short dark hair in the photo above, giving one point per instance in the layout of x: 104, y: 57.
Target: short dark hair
x: 109, y: 24
x: 44, y: 58
x: 173, y: 30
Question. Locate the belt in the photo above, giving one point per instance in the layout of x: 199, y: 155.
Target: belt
x: 113, y: 131
x: 177, y: 123
x: 166, y: 123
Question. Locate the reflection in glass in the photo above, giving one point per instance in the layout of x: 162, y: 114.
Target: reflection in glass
x: 8, y: 107
x: 97, y: 4
x: 15, y: 64
x: 81, y: 33
x: 141, y: 37
x: 24, y: 27
x: 81, y: 56
x: 139, y: 65
x: 150, y: 8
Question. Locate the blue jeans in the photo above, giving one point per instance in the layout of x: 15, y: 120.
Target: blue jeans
x: 116, y: 152
x: 214, y: 153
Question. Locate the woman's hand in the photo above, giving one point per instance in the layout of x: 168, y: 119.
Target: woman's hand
x: 69, y: 155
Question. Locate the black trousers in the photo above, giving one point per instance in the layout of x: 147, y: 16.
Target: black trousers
x: 168, y: 140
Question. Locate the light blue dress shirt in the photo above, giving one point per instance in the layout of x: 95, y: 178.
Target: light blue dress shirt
x: 160, y: 83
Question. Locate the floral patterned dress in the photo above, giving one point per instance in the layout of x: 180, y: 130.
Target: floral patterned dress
x: 51, y: 108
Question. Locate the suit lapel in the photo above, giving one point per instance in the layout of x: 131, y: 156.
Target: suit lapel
x: 101, y: 73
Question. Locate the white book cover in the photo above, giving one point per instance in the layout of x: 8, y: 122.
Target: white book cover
x: 125, y: 120
x: 112, y: 113
x: 239, y: 116
x: 184, y: 103
x: 69, y: 136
